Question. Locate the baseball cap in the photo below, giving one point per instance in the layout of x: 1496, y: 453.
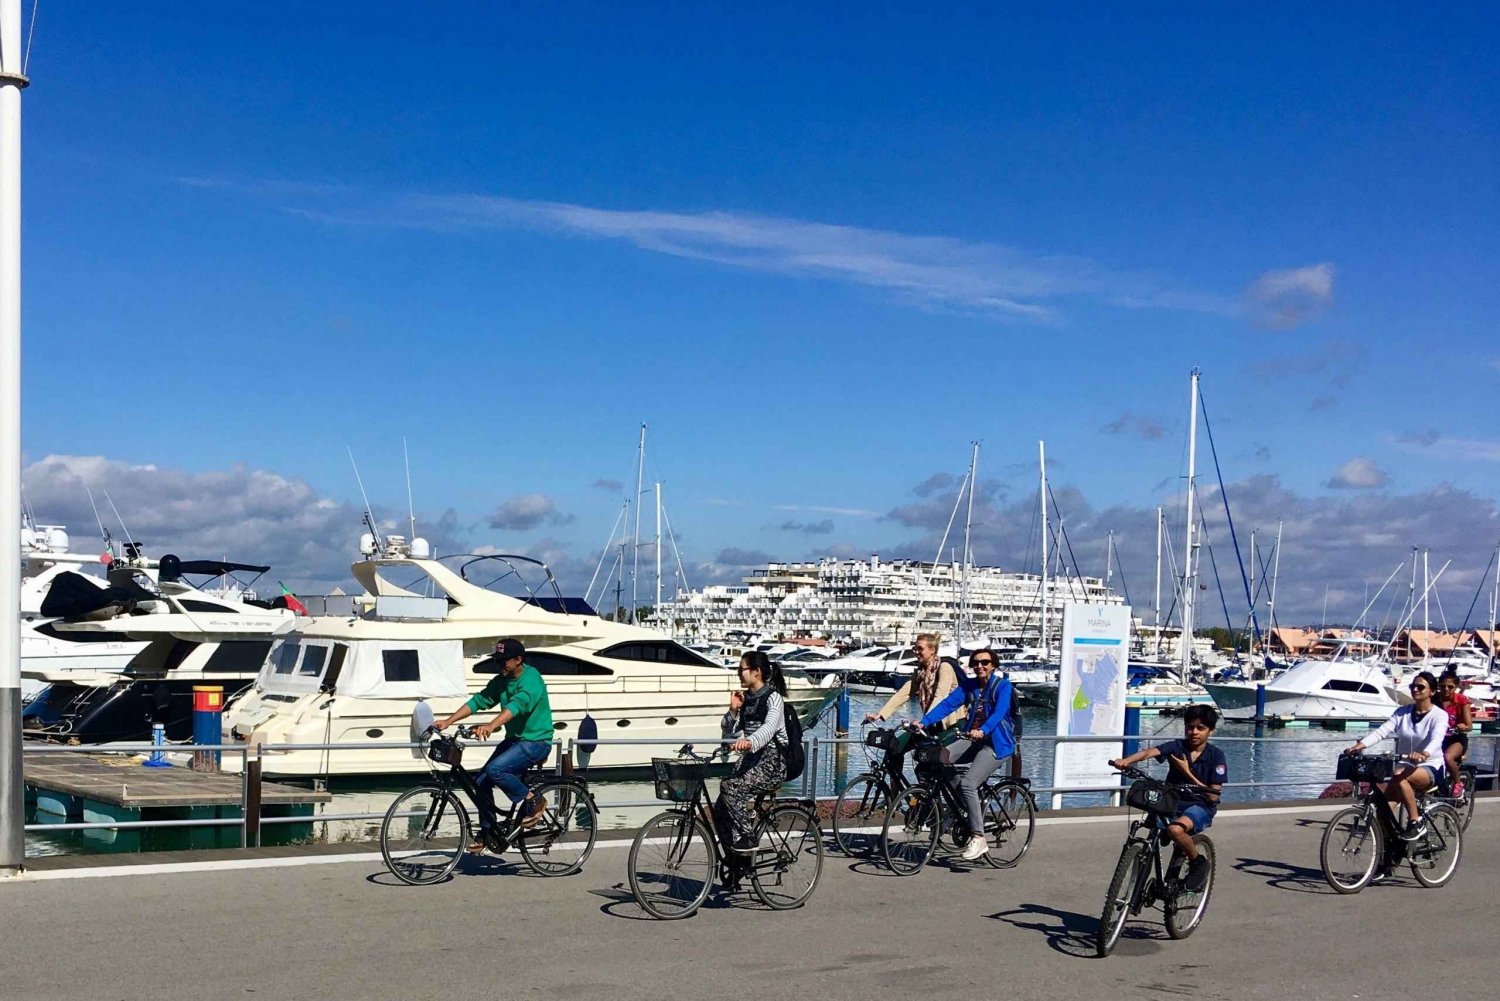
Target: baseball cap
x: 507, y: 648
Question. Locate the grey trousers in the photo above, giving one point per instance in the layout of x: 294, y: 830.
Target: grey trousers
x: 980, y: 757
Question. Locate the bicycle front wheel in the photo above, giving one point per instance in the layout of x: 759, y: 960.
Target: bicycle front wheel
x: 859, y: 813
x: 1434, y: 857
x: 424, y: 834
x: 1186, y: 909
x: 1118, y: 899
x: 1352, y: 847
x: 563, y: 839
x: 1009, y: 822
x: 671, y: 866
x: 788, y: 858
x: 910, y: 832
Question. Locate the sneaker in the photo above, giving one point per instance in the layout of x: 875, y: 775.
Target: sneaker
x: 1414, y: 830
x: 530, y: 820
x: 976, y: 847
x: 1197, y: 874
x: 1382, y: 876
x: 1458, y: 789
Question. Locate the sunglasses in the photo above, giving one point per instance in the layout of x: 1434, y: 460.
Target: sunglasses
x: 980, y: 663
x: 1420, y: 686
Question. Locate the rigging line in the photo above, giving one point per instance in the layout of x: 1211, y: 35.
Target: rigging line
x: 1218, y: 581
x: 916, y: 616
x: 1224, y: 496
x: 110, y: 501
x: 30, y: 34
x: 604, y: 553
x: 681, y: 571
x: 1121, y: 571
x: 1477, y: 592
x: 1063, y: 530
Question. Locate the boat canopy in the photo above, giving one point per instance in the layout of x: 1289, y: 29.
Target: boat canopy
x: 396, y: 669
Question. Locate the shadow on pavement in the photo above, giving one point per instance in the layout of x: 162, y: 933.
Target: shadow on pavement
x: 1285, y: 875
x: 1074, y: 934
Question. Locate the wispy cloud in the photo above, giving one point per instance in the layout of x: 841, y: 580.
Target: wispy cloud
x: 824, y: 527
x: 1359, y: 473
x: 820, y: 509
x: 1284, y: 299
x: 527, y: 511
x: 1149, y: 428
x: 978, y: 277
x: 613, y: 486
x: 1440, y: 446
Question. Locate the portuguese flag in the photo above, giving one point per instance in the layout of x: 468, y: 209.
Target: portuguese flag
x: 291, y: 600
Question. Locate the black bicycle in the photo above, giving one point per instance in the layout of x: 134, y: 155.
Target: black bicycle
x: 1360, y: 838
x: 676, y: 854
x: 928, y: 812
x: 860, y: 810
x: 1463, y: 800
x: 1141, y: 879
x: 427, y: 829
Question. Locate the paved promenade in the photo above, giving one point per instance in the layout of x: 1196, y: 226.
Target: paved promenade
x: 345, y: 930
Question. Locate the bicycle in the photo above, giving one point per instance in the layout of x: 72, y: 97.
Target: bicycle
x: 1463, y: 803
x: 675, y: 855
x: 1138, y: 883
x: 915, y: 819
x: 427, y: 829
x: 1359, y: 837
x: 862, y: 804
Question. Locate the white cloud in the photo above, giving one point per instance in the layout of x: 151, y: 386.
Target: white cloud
x: 1285, y: 299
x: 526, y: 512
x: 853, y: 512
x: 1358, y: 473
x: 1440, y: 446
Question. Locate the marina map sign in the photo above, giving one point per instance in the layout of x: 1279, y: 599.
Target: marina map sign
x: 1090, y: 694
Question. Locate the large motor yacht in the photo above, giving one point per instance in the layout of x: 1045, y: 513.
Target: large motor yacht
x: 425, y: 629
x: 1346, y: 689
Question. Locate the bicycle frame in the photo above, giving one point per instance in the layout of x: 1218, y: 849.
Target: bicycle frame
x: 1150, y: 881
x: 503, y: 834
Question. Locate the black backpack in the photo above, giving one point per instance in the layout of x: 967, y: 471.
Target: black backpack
x: 796, y: 751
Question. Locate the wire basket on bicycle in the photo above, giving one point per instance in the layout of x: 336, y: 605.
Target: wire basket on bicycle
x: 677, y: 780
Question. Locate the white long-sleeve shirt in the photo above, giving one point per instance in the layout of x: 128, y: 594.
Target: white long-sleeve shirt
x: 773, y: 726
x: 1413, y: 734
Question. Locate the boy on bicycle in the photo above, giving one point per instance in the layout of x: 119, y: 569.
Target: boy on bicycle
x: 1200, y: 766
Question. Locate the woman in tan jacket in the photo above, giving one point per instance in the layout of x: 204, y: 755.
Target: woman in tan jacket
x: 930, y: 683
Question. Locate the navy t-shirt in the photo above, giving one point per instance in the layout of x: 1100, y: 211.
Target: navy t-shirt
x: 1210, y: 769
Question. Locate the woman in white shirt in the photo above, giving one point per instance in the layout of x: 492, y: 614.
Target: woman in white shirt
x: 1419, y: 730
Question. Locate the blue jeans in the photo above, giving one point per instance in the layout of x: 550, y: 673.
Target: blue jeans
x: 1201, y: 816
x: 504, y: 769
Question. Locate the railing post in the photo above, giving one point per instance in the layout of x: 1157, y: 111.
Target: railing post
x: 810, y: 771
x: 1260, y: 710
x: 251, y: 767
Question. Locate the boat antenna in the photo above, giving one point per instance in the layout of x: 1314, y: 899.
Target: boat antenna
x: 411, y: 508
x: 369, y: 514
x: 129, y: 539
x: 103, y: 532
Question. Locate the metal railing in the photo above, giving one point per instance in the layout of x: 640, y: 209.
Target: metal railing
x: 251, y: 821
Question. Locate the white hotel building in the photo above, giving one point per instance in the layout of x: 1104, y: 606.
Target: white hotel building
x: 863, y: 602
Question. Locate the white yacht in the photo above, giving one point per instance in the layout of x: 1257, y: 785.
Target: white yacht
x: 211, y: 632
x: 1344, y: 689
x: 425, y: 629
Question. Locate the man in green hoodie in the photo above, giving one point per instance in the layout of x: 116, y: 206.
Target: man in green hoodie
x: 526, y: 714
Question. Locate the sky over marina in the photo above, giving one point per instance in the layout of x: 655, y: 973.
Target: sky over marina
x: 818, y: 252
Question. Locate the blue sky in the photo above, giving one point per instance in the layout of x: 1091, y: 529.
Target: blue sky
x: 818, y: 253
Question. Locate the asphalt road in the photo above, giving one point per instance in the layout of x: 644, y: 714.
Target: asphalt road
x: 347, y: 930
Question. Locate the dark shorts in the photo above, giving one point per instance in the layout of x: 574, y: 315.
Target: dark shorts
x: 1201, y: 816
x: 1460, y: 738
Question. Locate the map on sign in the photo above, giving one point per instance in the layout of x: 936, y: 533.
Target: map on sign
x: 1097, y: 695
x: 1091, y: 694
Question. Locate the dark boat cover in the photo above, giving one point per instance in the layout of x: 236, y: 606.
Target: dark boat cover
x: 74, y: 596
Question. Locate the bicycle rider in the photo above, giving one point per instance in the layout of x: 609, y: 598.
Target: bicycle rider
x: 526, y: 714
x: 1419, y: 731
x: 987, y: 727
x: 759, y: 714
x: 1199, y: 765
x: 1460, y: 721
x: 933, y: 680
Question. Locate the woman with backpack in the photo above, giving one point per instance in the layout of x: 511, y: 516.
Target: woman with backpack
x: 758, y: 716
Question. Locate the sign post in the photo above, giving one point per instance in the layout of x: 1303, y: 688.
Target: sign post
x: 1090, y: 694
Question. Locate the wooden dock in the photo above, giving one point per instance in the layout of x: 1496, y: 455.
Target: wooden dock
x: 125, y: 783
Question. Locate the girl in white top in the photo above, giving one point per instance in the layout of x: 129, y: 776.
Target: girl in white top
x: 1419, y: 730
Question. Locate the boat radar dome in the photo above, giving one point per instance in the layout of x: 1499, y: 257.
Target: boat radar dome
x: 28, y: 538
x: 420, y: 549
x: 367, y: 544
x: 57, y: 540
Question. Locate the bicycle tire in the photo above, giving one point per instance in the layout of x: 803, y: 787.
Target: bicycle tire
x: 1009, y: 823
x: 1185, y: 911
x: 1353, y: 845
x: 562, y: 841
x: 910, y: 832
x: 1443, y: 845
x: 858, y: 814
x: 1117, y: 898
x: 790, y: 835
x: 434, y: 840
x: 1465, y: 804
x: 671, y: 866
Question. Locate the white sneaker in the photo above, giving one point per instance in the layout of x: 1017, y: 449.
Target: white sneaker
x: 976, y: 847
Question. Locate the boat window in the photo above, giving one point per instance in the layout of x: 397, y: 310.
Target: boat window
x: 659, y: 651
x: 336, y: 664
x: 1344, y: 685
x: 284, y: 658
x: 48, y: 629
x: 313, y: 660
x: 401, y: 665
x: 556, y: 663
x: 238, y: 656
x: 195, y: 605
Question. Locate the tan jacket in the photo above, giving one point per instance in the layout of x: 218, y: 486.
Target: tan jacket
x: 947, y: 681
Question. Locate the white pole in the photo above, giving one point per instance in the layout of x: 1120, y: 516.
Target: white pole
x: 1275, y: 576
x: 1158, y: 582
x: 1041, y: 452
x: 1426, y: 589
x: 635, y: 553
x: 656, y: 612
x: 963, y: 584
x: 1494, y: 608
x: 1189, y: 576
x: 12, y: 793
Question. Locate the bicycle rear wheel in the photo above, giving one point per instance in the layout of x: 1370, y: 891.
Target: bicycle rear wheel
x: 788, y: 858
x: 424, y: 834
x: 1434, y: 857
x: 1465, y: 804
x: 910, y: 832
x: 563, y: 839
x: 858, y: 814
x: 1118, y: 898
x: 1009, y: 822
x: 1353, y: 845
x: 671, y: 865
x: 1186, y: 909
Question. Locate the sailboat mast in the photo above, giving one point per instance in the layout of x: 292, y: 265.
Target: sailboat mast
x: 964, y: 612
x: 1109, y: 560
x: 1189, y: 575
x: 1275, y: 576
x: 656, y: 609
x: 1041, y: 451
x: 1494, y: 607
x: 635, y: 555
x: 1158, y: 581
x: 1426, y: 590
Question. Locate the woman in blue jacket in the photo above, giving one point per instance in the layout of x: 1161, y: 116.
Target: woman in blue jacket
x: 987, y: 726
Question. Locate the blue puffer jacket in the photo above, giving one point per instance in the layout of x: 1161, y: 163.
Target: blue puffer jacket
x: 994, y: 697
